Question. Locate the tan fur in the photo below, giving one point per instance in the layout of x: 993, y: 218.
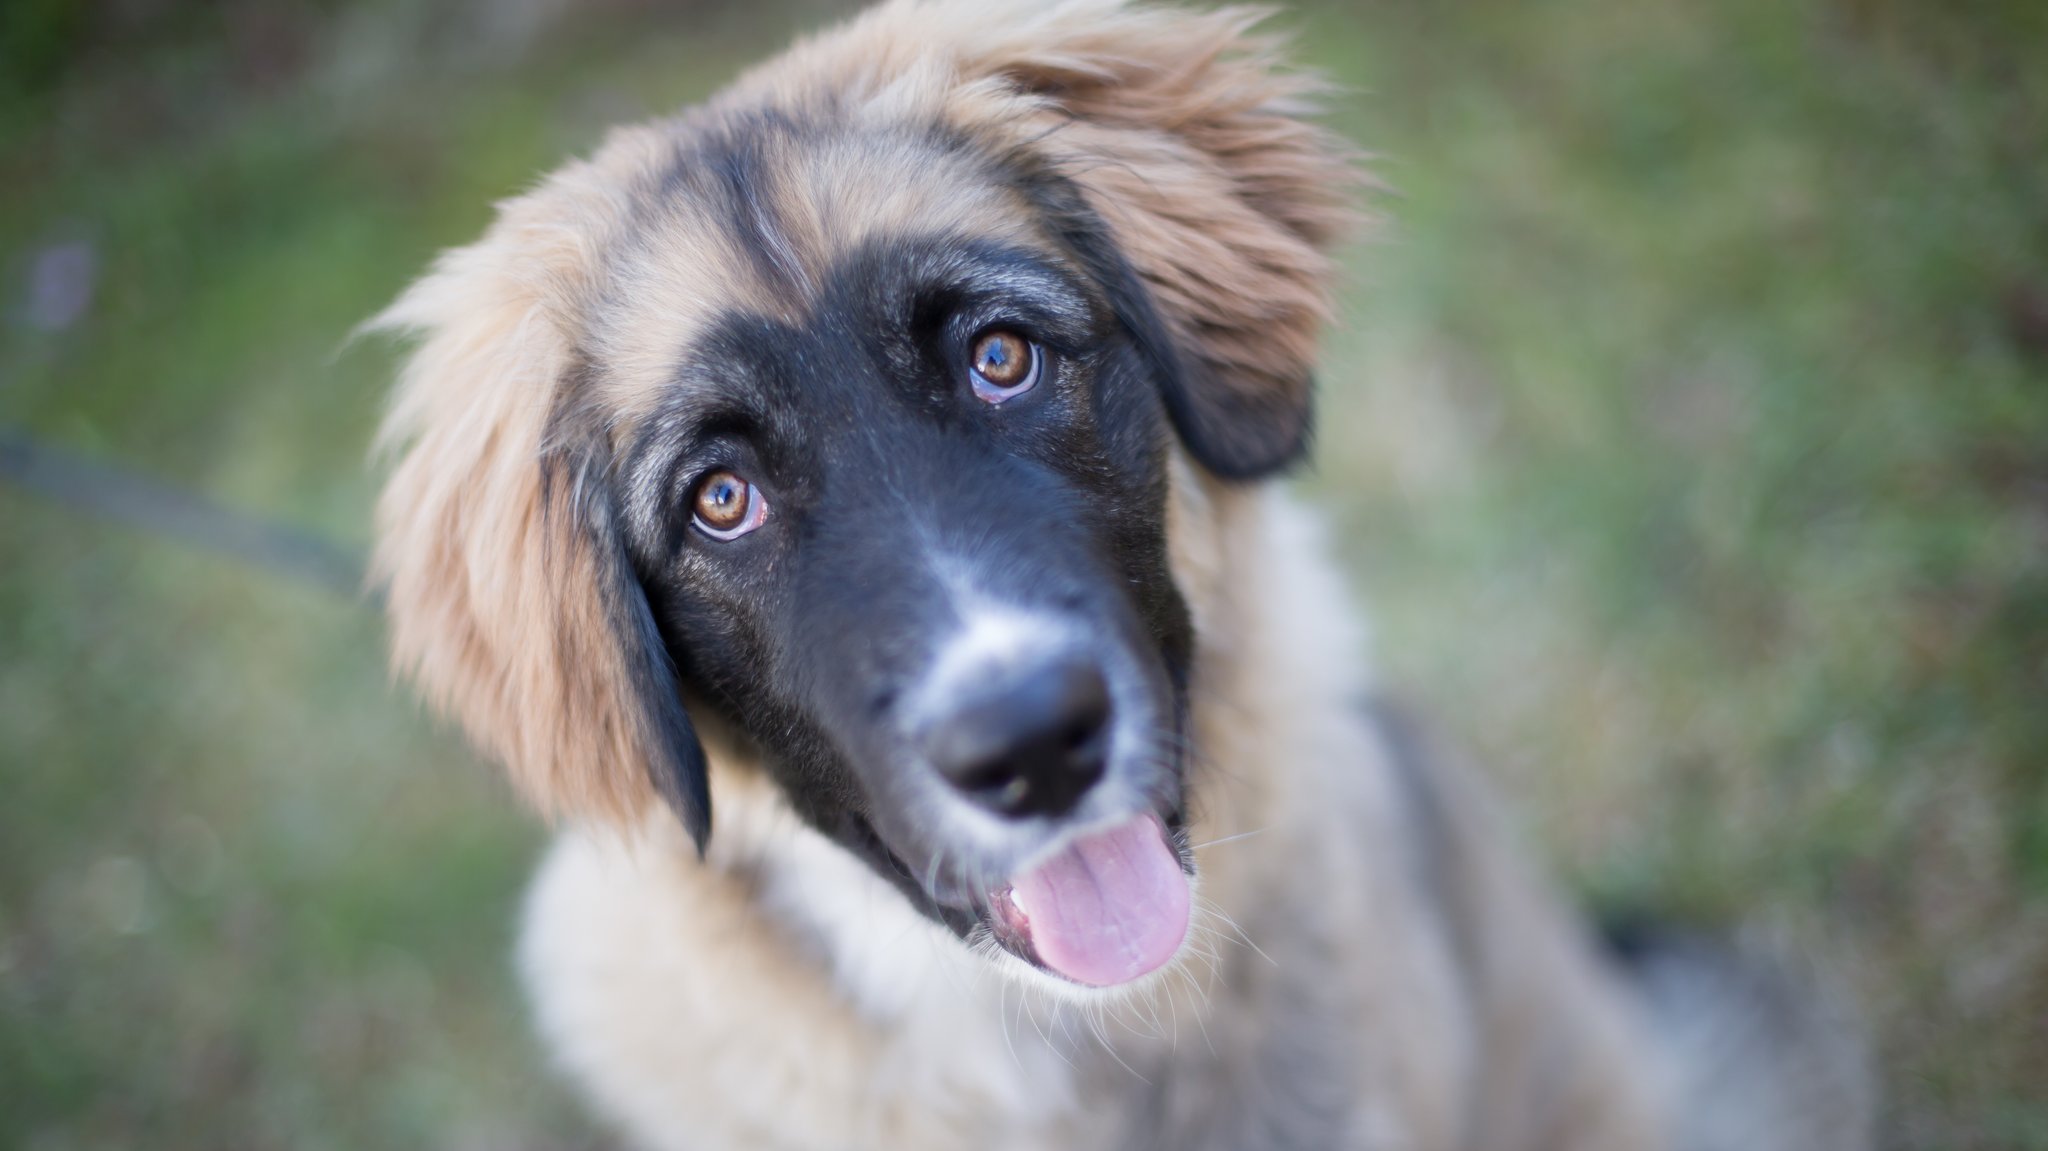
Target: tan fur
x: 729, y: 1003
x: 492, y: 595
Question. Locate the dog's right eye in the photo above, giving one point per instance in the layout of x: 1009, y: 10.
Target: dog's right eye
x: 727, y: 506
x: 1004, y: 364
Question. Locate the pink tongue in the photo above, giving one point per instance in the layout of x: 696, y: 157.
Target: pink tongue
x: 1109, y: 908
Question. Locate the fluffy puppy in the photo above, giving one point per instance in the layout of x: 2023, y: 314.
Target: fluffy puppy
x: 874, y: 457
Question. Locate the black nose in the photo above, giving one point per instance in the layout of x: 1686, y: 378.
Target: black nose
x: 1032, y: 743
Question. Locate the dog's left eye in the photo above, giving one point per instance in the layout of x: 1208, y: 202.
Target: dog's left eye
x: 1004, y: 365
x: 726, y: 506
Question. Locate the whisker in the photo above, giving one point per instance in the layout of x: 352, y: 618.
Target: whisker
x: 931, y: 874
x: 1037, y: 1026
x: 1228, y: 839
x: 1218, y: 912
x: 1201, y: 1010
x: 1095, y: 1025
x: 1003, y: 1016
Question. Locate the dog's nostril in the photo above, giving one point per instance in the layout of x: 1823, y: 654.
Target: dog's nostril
x: 1031, y: 744
x: 1079, y: 738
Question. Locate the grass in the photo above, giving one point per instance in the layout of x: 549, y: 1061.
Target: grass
x: 1686, y: 431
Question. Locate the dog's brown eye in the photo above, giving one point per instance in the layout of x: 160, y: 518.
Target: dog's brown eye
x: 727, y: 506
x: 1005, y: 364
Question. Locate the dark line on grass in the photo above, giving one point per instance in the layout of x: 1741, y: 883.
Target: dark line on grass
x: 124, y: 496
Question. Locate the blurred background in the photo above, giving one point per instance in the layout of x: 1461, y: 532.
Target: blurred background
x: 1687, y: 431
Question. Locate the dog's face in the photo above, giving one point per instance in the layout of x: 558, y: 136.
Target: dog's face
x: 897, y: 506
x: 840, y: 418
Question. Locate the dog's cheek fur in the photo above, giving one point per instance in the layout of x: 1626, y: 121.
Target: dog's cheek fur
x: 732, y: 655
x: 1130, y: 438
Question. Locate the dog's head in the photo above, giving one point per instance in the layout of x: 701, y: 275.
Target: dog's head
x: 837, y: 414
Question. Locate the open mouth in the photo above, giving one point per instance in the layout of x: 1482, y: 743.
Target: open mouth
x: 1111, y: 907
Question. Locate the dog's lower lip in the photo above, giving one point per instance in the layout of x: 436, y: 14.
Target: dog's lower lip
x: 1009, y: 926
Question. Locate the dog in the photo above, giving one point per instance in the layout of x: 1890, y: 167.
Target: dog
x: 845, y: 508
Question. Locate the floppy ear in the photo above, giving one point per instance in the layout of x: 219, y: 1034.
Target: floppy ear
x: 513, y: 605
x: 1188, y: 138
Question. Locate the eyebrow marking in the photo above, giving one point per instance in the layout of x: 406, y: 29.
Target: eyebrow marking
x: 747, y: 177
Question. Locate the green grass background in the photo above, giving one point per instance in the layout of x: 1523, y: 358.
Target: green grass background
x: 1687, y: 430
